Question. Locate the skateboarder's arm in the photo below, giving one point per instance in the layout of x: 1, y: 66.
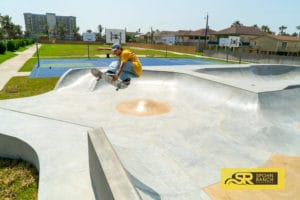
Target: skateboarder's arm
x: 118, y: 72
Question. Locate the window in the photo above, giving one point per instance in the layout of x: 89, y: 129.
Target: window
x: 295, y: 45
x: 284, y: 45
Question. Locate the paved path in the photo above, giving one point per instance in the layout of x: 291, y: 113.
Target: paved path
x: 10, y: 67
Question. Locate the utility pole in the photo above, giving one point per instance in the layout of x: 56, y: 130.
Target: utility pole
x: 151, y: 35
x: 37, y: 50
x: 206, y: 30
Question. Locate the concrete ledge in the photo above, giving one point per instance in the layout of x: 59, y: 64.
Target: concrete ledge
x: 12, y: 147
x: 109, y: 178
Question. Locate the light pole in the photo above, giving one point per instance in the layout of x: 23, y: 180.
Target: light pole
x: 37, y: 50
x: 206, y: 30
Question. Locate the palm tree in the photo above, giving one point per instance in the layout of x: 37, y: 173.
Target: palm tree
x: 61, y: 29
x: 46, y: 29
x: 265, y: 28
x: 9, y: 30
x: 281, y: 30
x: 236, y: 23
x: 100, y: 29
x: 76, y: 34
x: 17, y: 31
x: 298, y: 28
x: 7, y: 26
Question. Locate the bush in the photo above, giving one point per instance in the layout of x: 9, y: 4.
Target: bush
x: 11, y: 45
x: 17, y: 44
x: 2, y: 48
x: 22, y: 43
x: 29, y: 41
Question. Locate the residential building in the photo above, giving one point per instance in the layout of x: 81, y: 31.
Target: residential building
x: 246, y: 33
x: 49, y: 24
x: 276, y: 44
x: 185, y: 37
x: 164, y: 37
x: 181, y: 37
x: 254, y: 40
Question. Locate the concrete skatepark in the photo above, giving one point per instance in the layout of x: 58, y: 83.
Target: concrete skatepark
x: 166, y: 136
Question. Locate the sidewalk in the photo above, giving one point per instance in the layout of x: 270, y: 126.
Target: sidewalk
x: 10, y: 67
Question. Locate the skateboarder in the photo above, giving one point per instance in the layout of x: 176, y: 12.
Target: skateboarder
x: 127, y: 66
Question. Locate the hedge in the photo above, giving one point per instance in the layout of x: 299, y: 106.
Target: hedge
x: 2, y: 47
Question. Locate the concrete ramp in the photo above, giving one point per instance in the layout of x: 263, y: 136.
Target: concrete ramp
x: 81, y: 80
x: 258, y: 78
x: 77, y: 79
x: 174, y: 128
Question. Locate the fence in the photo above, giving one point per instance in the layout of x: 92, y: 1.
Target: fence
x: 176, y: 48
x: 253, y: 57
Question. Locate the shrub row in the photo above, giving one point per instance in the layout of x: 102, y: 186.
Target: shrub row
x: 13, y: 45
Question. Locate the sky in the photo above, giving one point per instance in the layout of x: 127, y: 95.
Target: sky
x: 163, y: 15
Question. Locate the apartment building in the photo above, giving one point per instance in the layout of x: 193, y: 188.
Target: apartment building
x: 48, y: 23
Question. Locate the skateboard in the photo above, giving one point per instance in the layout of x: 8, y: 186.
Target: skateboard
x: 107, y: 77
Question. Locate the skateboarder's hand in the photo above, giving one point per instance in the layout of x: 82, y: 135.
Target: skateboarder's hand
x: 115, y: 77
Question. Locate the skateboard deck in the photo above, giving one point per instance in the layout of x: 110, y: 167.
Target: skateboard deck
x: 108, y: 78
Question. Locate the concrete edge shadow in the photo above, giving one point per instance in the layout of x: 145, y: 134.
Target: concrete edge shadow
x: 109, y: 178
x: 15, y: 148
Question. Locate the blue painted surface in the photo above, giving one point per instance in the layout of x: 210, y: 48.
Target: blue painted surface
x: 57, y: 67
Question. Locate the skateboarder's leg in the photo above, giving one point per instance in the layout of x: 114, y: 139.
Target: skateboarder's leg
x: 113, y: 66
x: 127, y: 72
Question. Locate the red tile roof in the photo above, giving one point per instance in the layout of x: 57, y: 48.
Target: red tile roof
x: 200, y: 32
x: 285, y: 38
x: 241, y: 30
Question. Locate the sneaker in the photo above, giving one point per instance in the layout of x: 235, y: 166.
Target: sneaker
x: 126, y: 81
x: 108, y: 72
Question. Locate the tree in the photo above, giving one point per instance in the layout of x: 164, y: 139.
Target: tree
x: 236, y: 23
x: 151, y: 36
x: 76, y: 34
x: 61, y: 30
x: 27, y: 33
x: 281, y: 30
x: 298, y: 28
x: 46, y: 29
x: 1, y: 33
x: 6, y: 25
x: 9, y: 30
x: 17, y: 31
x: 100, y: 29
x: 265, y: 28
x: 295, y: 34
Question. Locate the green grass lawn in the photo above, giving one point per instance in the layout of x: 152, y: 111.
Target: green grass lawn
x: 29, y: 65
x: 9, y: 54
x: 18, y: 180
x: 81, y: 51
x: 66, y: 50
x: 6, y: 56
x: 24, y: 86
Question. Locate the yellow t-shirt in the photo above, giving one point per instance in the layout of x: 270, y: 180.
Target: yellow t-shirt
x: 126, y: 56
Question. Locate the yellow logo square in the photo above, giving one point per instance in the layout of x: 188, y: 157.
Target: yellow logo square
x: 252, y: 178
